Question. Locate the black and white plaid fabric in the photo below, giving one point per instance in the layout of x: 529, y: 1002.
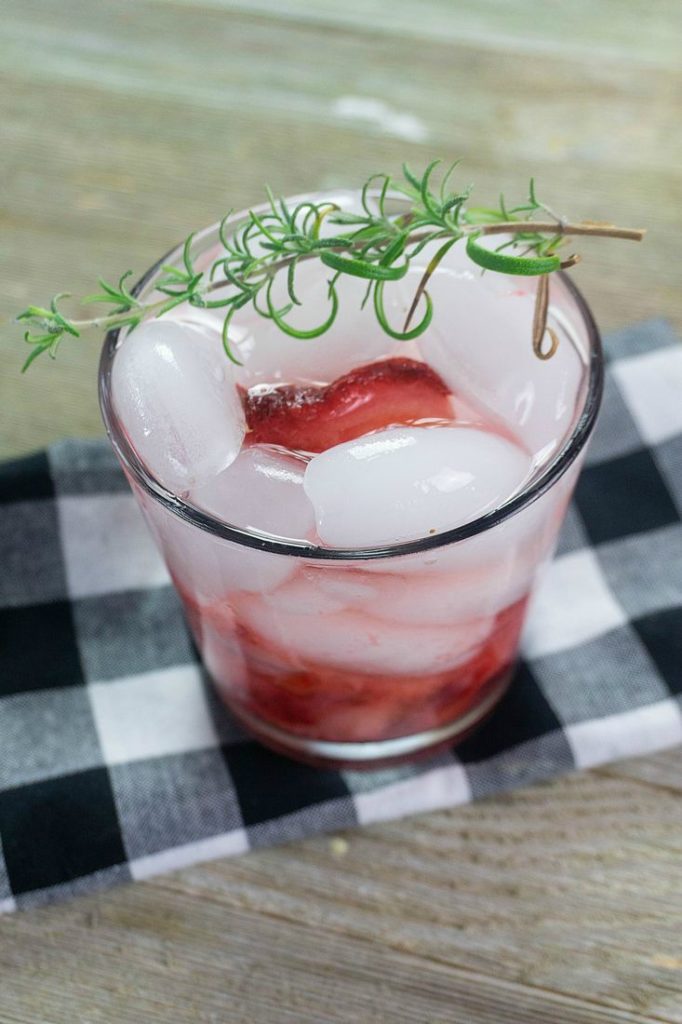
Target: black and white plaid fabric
x: 116, y: 760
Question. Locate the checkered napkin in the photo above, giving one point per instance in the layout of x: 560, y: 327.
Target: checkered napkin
x: 116, y: 760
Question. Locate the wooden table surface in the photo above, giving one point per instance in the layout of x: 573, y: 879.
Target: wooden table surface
x: 126, y: 125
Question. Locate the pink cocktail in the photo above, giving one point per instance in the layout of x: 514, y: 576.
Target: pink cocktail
x: 354, y: 523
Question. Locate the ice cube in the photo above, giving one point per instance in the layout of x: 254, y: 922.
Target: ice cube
x: 510, y: 550
x: 443, y: 598
x: 208, y: 569
x: 354, y: 338
x: 269, y: 355
x: 357, y: 642
x: 301, y: 596
x: 437, y: 599
x: 480, y: 343
x: 409, y: 482
x: 210, y: 323
x: 323, y: 591
x: 176, y: 396
x: 261, y: 490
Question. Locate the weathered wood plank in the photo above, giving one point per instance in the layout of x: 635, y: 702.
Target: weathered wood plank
x: 562, y: 901
x: 663, y: 770
x: 582, y: 27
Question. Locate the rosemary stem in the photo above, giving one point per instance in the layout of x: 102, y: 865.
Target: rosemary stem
x: 558, y: 228
x: 498, y: 228
x: 116, y: 318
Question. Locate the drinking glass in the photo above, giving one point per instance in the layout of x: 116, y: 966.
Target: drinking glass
x: 366, y: 656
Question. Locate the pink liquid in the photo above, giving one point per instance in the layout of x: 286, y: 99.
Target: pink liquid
x: 316, y: 699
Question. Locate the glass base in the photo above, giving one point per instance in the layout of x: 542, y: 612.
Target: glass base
x: 380, y: 753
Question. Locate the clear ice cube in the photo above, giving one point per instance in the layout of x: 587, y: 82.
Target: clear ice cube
x: 479, y: 342
x: 176, y: 396
x: 355, y: 641
x: 404, y: 483
x: 261, y: 490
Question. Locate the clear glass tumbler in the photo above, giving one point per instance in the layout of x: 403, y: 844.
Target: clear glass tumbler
x: 369, y: 656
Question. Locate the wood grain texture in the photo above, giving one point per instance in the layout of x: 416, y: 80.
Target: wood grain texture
x: 561, y: 903
x: 125, y: 126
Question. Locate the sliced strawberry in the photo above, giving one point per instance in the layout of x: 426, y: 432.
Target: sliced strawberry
x: 313, y: 418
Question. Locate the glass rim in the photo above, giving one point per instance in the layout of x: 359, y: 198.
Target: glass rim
x: 555, y: 469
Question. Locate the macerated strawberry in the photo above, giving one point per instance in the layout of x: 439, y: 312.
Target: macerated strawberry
x: 311, y: 418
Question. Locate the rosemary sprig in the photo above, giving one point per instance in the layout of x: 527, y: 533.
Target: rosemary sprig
x: 375, y: 245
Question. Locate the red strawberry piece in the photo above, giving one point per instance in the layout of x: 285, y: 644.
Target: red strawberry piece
x: 313, y: 418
